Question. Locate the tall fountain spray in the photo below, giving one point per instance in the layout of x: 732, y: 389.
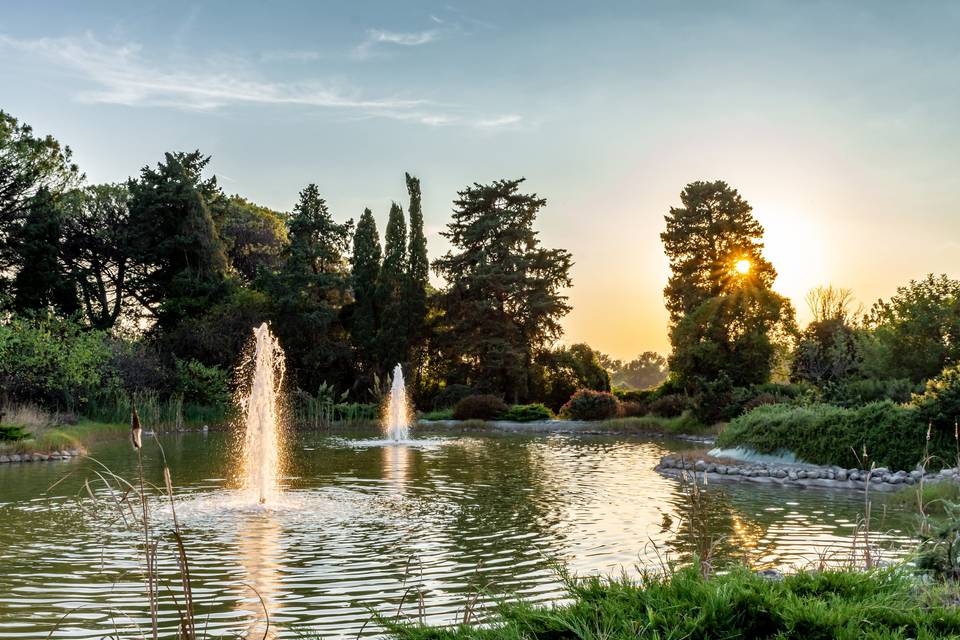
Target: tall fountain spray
x: 396, y: 423
x: 262, y: 441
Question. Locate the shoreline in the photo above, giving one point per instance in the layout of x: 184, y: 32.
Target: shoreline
x: 802, y: 475
x: 572, y: 427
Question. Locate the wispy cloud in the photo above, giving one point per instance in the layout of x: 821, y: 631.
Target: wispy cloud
x: 377, y: 37
x: 121, y: 75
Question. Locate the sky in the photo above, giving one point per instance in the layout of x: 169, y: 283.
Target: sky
x: 838, y: 121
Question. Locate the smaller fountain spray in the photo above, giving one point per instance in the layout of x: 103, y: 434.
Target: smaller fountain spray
x: 261, y: 442
x: 396, y: 422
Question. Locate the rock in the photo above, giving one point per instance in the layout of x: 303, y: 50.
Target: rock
x: 42, y: 457
x: 700, y: 465
x: 763, y: 473
x: 793, y: 475
x: 842, y: 475
x: 711, y: 468
x: 893, y: 479
x: 15, y: 457
x: 781, y: 473
x: 802, y: 474
x: 721, y: 468
x: 4, y: 459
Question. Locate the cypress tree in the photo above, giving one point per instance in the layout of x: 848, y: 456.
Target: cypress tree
x: 418, y: 271
x: 393, y: 330
x: 365, y: 276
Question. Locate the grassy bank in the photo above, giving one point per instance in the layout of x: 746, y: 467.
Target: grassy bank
x: 740, y: 604
x: 680, y: 425
x: 60, y: 437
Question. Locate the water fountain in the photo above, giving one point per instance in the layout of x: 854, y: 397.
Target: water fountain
x: 396, y: 422
x: 262, y: 459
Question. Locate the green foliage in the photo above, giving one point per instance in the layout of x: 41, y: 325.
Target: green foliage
x: 892, y: 436
x: 837, y: 605
x: 827, y: 352
x: 854, y: 393
x: 916, y: 334
x: 558, y: 374
x: 683, y: 424
x: 12, y: 433
x: 503, y: 303
x: 417, y: 278
x: 527, y: 413
x: 586, y: 404
x: 309, y: 292
x: 179, y: 262
x: 203, y: 385
x: 393, y: 339
x: 253, y: 236
x: 438, y: 414
x: 52, y: 361
x: 364, y: 279
x: 940, y: 401
x: 480, y: 407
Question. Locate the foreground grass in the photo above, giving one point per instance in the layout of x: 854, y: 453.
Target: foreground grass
x: 61, y: 437
x: 843, y: 605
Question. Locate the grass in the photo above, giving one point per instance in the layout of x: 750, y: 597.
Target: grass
x: 58, y: 438
x: 740, y: 604
x: 684, y: 424
x: 438, y: 414
x: 936, y: 497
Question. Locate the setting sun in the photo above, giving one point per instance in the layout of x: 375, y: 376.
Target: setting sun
x: 742, y: 267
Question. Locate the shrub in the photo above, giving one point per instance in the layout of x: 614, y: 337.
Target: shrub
x: 527, y: 413
x: 12, y: 433
x: 940, y: 401
x: 670, y: 405
x: 355, y: 411
x: 893, y: 436
x: 203, y: 385
x: 480, y: 407
x: 759, y: 400
x: 860, y: 392
x: 631, y: 409
x: 438, y: 414
x: 591, y: 405
x: 451, y: 394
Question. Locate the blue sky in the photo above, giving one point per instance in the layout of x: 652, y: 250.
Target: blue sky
x: 838, y: 121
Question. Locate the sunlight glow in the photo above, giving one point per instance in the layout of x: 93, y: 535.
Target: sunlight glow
x: 742, y: 267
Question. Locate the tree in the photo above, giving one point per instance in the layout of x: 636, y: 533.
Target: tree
x: 708, y: 241
x: 562, y: 372
x: 41, y: 283
x: 725, y: 319
x: 417, y: 280
x: 179, y: 266
x: 253, y: 236
x: 309, y: 292
x: 394, y: 341
x: 731, y: 337
x: 96, y: 250
x: 827, y: 350
x: 916, y: 334
x: 647, y: 370
x: 365, y: 276
x: 503, y: 294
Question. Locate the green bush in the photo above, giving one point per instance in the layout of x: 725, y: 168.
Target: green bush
x: 480, y: 407
x: 892, y: 436
x: 52, y: 362
x: 856, y: 393
x: 12, y: 433
x: 670, y: 405
x: 591, y: 405
x: 438, y: 414
x: 527, y: 413
x: 203, y: 385
x: 940, y: 401
x: 355, y: 411
x: 631, y: 409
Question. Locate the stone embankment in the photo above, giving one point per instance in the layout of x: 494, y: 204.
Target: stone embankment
x: 65, y: 454
x: 800, y: 475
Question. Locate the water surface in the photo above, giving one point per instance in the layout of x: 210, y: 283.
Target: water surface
x: 366, y: 527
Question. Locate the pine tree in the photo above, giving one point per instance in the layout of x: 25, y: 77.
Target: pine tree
x: 417, y: 280
x: 42, y: 283
x: 393, y: 330
x: 503, y: 303
x: 365, y: 276
x: 309, y: 292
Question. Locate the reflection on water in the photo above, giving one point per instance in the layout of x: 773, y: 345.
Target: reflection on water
x: 363, y: 523
x: 258, y: 550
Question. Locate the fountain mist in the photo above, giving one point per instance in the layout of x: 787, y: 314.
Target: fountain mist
x: 262, y: 440
x: 396, y: 422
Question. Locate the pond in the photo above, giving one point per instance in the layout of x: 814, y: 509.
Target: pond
x: 459, y: 518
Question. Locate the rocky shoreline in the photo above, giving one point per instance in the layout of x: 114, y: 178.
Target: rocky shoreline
x: 65, y: 454
x: 571, y: 427
x: 801, y: 475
